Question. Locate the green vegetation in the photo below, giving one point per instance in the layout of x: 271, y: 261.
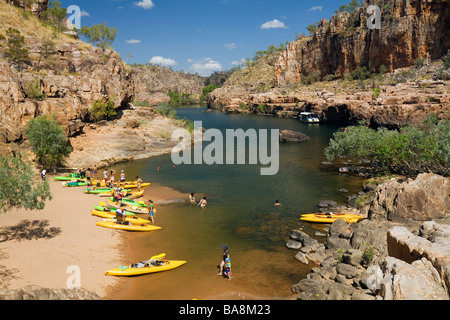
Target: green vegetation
x: 312, y: 28
x: 177, y: 99
x: 55, y: 15
x: 395, y: 150
x: 48, y: 141
x: 312, y: 77
x: 33, y: 90
x: 17, y: 52
x: 99, y: 35
x: 18, y: 188
x: 102, y: 110
x: 360, y: 73
x: 207, y: 90
x: 350, y: 7
x: 166, y: 110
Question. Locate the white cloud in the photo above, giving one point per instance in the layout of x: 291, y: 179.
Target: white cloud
x: 133, y: 41
x: 85, y: 13
x: 145, y: 4
x: 273, y: 24
x: 206, y: 66
x: 318, y: 8
x: 230, y: 46
x: 238, y: 63
x: 165, y: 62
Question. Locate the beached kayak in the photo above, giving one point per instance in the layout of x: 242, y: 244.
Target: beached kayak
x: 330, y: 218
x: 112, y: 215
x: 154, y: 264
x: 128, y: 227
x: 126, y: 185
x: 77, y: 183
x: 70, y: 177
x: 98, y: 190
x: 134, y: 209
x: 131, y: 202
x: 103, y: 207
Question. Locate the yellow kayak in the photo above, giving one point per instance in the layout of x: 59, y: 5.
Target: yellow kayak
x: 330, y: 218
x: 128, y: 227
x: 108, y: 215
x: 124, y: 185
x: 133, y: 209
x: 152, y: 265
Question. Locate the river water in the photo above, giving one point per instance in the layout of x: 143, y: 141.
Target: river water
x: 240, y: 213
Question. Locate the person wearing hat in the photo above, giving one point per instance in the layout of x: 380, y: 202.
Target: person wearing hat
x: 225, y: 256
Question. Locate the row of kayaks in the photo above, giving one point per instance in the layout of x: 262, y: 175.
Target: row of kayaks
x: 330, y: 217
x: 102, y: 184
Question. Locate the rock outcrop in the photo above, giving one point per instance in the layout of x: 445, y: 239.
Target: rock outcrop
x: 397, y: 266
x: 152, y: 83
x: 409, y: 31
x: 422, y: 199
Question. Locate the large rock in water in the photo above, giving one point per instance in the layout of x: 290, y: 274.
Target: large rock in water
x: 424, y: 198
x: 292, y: 136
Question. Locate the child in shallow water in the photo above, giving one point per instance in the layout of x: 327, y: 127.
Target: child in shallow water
x: 227, y: 269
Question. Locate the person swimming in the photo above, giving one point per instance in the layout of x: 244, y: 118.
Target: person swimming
x: 202, y: 203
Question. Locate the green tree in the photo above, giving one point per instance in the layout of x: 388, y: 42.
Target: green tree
x: 312, y: 28
x: 48, y: 141
x: 18, y: 188
x: 55, y: 15
x: 99, y: 35
x: 350, y: 7
x: 207, y: 90
x: 102, y: 110
x: 17, y: 51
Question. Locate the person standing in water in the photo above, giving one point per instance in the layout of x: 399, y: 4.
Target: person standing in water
x: 151, y: 210
x: 202, y: 203
x: 225, y: 256
x: 192, y: 198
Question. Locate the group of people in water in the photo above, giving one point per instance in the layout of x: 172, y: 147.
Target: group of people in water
x: 202, y: 203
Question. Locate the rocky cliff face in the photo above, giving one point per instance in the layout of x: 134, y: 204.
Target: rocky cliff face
x: 410, y: 30
x: 153, y: 82
x: 71, y: 76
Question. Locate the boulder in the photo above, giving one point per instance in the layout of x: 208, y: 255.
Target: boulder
x: 292, y: 136
x: 416, y: 281
x: 422, y: 199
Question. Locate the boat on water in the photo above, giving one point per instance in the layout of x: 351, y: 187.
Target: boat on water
x: 330, y: 217
x: 309, y: 117
x: 152, y: 265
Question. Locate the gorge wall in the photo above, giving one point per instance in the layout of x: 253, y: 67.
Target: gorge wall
x: 71, y: 76
x: 410, y: 30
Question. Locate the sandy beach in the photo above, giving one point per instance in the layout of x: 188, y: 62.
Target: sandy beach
x: 51, y: 247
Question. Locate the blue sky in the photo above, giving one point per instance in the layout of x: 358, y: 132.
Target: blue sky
x: 201, y: 36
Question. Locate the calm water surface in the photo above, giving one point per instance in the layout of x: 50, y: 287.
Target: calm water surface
x: 240, y: 213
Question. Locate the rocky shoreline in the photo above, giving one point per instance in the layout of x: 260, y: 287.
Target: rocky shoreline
x: 377, y: 258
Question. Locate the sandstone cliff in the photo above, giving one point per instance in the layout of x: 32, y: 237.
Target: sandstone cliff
x: 410, y: 30
x: 412, y: 39
x: 71, y: 76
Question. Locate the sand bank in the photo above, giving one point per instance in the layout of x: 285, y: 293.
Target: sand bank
x: 58, y: 243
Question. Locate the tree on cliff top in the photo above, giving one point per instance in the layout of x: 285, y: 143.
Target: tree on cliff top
x: 350, y: 7
x: 17, y: 186
x: 99, y: 35
x: 55, y: 15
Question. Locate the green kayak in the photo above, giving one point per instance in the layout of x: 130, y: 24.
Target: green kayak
x: 76, y: 184
x: 107, y: 209
x: 72, y: 176
x: 97, y: 190
x: 131, y: 202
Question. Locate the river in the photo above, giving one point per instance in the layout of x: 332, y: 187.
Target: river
x: 240, y: 213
